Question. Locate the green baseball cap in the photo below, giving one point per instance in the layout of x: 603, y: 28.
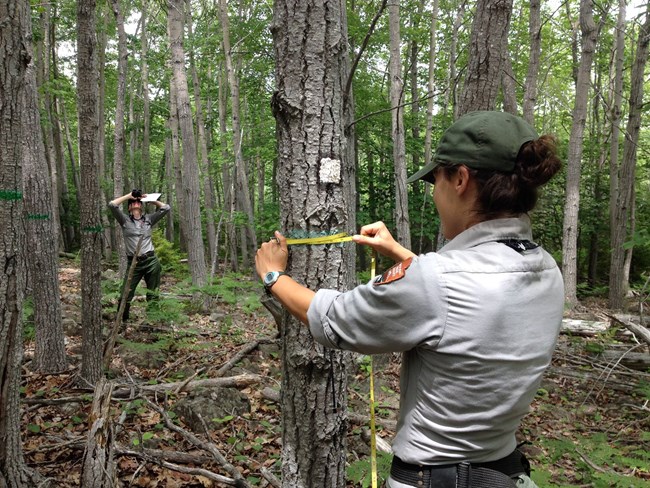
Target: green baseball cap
x: 480, y: 140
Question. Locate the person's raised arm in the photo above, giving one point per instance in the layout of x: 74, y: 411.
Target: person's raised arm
x: 120, y: 200
x: 378, y: 237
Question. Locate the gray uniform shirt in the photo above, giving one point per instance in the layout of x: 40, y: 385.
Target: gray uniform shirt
x: 477, y: 323
x: 132, y: 228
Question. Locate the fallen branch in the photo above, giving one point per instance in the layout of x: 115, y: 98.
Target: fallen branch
x: 206, y: 446
x: 149, y: 454
x: 228, y: 382
x: 270, y: 477
x: 251, y: 346
x: 637, y: 329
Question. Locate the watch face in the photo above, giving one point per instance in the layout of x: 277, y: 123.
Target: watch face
x: 271, y: 277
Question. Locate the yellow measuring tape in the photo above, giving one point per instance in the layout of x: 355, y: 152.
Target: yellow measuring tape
x: 334, y: 239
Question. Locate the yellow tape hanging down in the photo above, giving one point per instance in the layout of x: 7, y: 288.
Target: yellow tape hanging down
x: 334, y: 239
x: 373, y: 429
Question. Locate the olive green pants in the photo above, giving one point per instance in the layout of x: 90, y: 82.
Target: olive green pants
x: 149, y: 269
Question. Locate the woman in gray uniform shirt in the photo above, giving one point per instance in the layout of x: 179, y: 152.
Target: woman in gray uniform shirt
x: 477, y: 322
x: 136, y: 225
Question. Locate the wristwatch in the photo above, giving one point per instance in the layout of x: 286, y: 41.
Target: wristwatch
x: 270, y: 278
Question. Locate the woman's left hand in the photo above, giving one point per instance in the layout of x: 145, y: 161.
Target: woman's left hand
x: 272, y: 255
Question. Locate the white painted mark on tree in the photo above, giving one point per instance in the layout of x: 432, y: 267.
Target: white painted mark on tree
x: 330, y: 170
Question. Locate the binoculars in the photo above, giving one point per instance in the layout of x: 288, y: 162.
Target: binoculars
x: 135, y: 193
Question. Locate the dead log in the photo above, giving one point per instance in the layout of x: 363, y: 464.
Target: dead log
x: 251, y: 346
x: 583, y: 327
x: 638, y: 330
x: 98, y: 467
x: 228, y: 382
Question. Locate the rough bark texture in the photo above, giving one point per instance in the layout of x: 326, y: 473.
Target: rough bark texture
x: 15, y: 57
x: 574, y: 159
x: 98, y: 466
x: 190, y: 208
x: 402, y: 221
x: 486, y: 50
x: 41, y: 230
x: 618, y: 281
x: 535, y: 36
x: 118, y: 133
x: 312, y: 63
x: 89, y: 211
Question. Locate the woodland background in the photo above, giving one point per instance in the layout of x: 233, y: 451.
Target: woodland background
x: 194, y: 99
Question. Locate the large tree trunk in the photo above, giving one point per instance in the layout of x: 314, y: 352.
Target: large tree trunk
x: 618, y: 282
x: 317, y: 194
x: 89, y: 193
x: 241, y: 171
x: 118, y: 134
x: 574, y: 159
x: 15, y: 56
x: 41, y: 229
x: 402, y: 221
x: 190, y: 209
x: 486, y: 51
x: 109, y: 241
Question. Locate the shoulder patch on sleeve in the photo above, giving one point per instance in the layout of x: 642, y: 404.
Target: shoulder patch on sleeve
x: 395, y: 273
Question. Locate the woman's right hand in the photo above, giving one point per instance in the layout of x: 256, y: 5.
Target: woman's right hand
x: 377, y: 236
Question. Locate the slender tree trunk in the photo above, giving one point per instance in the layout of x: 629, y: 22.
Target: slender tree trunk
x: 227, y: 175
x: 109, y: 230
x: 316, y: 179
x: 15, y: 56
x: 574, y: 160
x: 486, y: 49
x: 89, y: 211
x: 206, y: 179
x: 535, y: 36
x: 402, y: 221
x: 508, y: 84
x: 118, y: 133
x: 428, y: 134
x: 41, y: 231
x: 169, y: 179
x: 190, y: 210
x: 616, y: 286
x: 624, y: 210
x: 241, y: 173
x: 146, y: 110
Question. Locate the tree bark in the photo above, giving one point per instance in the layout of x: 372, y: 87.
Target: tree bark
x: 535, y: 36
x: 402, y: 221
x: 118, y: 133
x: 206, y: 178
x: 574, y: 159
x: 41, y: 231
x: 89, y: 193
x: 190, y: 209
x: 625, y: 203
x: 15, y: 56
x: 311, y: 44
x: 486, y: 51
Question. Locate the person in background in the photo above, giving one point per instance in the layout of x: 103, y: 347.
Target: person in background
x: 477, y: 322
x: 135, y: 225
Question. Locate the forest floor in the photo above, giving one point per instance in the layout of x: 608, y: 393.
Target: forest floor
x: 589, y: 424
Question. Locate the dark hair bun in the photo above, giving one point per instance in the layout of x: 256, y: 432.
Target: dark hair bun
x: 537, y: 161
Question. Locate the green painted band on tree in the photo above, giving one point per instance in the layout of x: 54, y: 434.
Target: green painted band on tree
x: 95, y: 229
x: 11, y: 195
x: 38, y: 217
